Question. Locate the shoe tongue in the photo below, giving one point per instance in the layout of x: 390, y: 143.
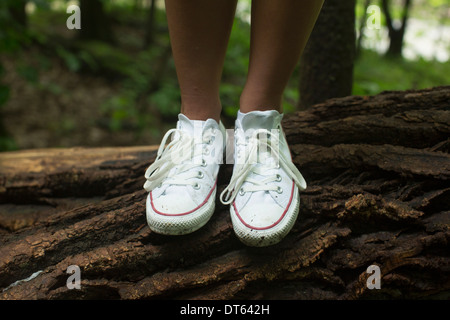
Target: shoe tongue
x: 193, y: 126
x: 189, y: 126
x: 261, y: 120
x: 267, y: 120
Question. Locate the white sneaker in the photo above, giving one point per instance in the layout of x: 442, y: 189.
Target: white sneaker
x: 182, y: 181
x: 263, y: 192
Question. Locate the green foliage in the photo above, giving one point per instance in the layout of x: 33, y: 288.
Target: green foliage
x: 100, y: 56
x: 6, y: 142
x: 166, y: 100
x: 148, y: 87
x: 374, y: 73
x: 145, y: 76
x: 235, y: 67
x: 4, y: 90
x: 72, y: 60
x: 4, y: 94
x: 11, y: 40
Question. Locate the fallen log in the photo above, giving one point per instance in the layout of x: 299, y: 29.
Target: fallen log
x: 378, y: 170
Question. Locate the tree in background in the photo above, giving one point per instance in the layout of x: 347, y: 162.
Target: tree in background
x: 362, y: 25
x: 150, y: 28
x: 17, y: 12
x: 326, y: 66
x: 396, y: 34
x: 95, y: 23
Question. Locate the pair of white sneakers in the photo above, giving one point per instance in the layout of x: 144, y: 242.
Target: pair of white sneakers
x: 263, y: 192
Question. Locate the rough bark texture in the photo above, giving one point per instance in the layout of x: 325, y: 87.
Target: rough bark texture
x: 326, y: 65
x: 378, y: 170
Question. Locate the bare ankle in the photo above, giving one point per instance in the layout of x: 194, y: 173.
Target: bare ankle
x: 250, y: 102
x: 201, y: 108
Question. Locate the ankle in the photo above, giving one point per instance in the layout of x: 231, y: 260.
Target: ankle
x: 201, y: 108
x: 259, y: 101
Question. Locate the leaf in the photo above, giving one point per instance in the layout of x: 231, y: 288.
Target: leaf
x: 29, y: 73
x: 73, y: 63
x: 4, y: 94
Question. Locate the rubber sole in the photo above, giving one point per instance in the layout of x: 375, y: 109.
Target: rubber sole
x: 180, y: 225
x: 267, y: 237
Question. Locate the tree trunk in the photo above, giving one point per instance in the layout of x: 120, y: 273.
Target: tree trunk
x: 326, y: 66
x: 396, y: 35
x: 150, y: 25
x: 95, y: 23
x: 18, y: 14
x: 378, y: 171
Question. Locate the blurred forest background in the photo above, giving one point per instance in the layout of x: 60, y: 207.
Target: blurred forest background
x: 113, y: 82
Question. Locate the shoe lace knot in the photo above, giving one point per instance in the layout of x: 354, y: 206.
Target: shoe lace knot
x: 256, y: 166
x: 180, y: 160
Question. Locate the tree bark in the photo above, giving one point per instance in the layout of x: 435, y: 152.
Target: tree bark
x: 378, y: 170
x: 18, y: 14
x: 95, y: 23
x: 326, y: 65
x: 150, y: 25
x: 396, y: 35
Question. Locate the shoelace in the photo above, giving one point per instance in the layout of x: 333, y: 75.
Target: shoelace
x: 253, y: 164
x: 177, y: 154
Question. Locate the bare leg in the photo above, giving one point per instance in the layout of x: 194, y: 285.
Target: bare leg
x: 199, y: 32
x: 279, y: 33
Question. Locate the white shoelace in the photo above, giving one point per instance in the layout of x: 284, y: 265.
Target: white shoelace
x: 257, y: 162
x: 179, y: 154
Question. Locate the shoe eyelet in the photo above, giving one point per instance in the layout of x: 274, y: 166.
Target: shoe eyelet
x: 196, y: 186
x: 200, y: 175
x: 279, y: 190
x: 241, y: 191
x: 279, y: 178
x: 203, y: 163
